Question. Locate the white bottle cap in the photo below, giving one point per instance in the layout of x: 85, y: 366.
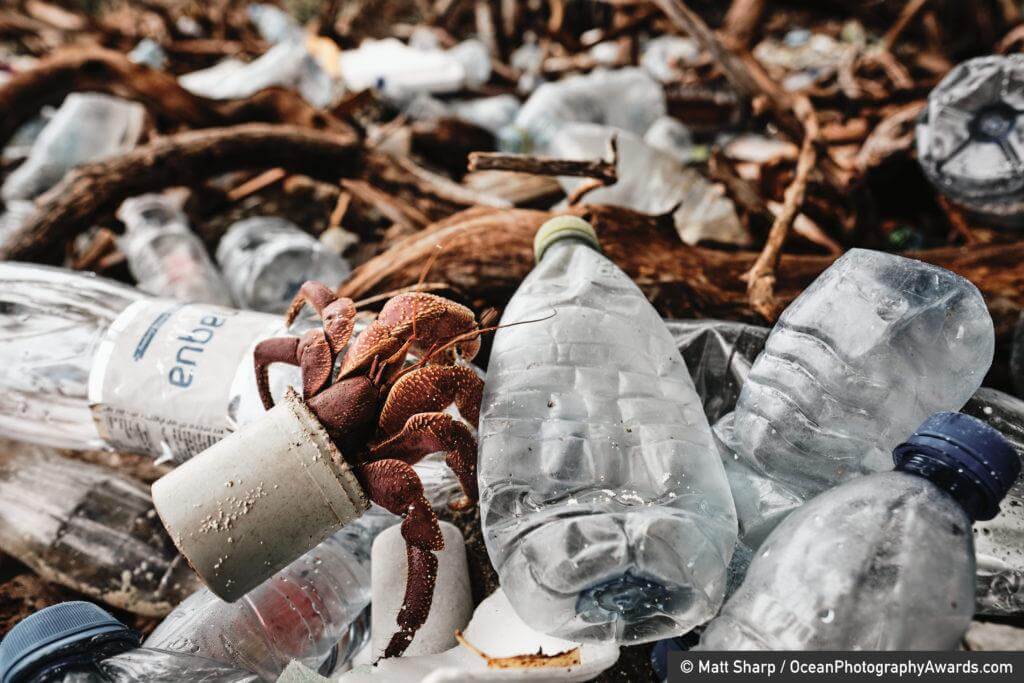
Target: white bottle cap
x: 257, y: 500
x: 560, y: 228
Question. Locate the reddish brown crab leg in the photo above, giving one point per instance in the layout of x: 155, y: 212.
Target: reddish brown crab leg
x: 429, y: 390
x: 393, y: 485
x: 426, y: 433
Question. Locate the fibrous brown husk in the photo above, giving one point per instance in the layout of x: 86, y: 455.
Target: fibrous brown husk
x: 486, y: 253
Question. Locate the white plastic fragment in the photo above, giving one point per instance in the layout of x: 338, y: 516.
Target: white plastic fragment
x: 452, y: 605
x: 498, y: 631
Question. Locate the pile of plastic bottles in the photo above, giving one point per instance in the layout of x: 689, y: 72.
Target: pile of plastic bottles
x: 841, y: 481
x: 836, y: 490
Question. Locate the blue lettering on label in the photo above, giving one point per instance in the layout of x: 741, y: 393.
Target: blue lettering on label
x: 190, y: 352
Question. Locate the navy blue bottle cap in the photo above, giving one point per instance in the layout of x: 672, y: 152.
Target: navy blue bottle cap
x: 53, y: 630
x: 982, y: 457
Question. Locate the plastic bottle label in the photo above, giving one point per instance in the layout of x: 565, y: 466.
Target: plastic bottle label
x: 163, y: 375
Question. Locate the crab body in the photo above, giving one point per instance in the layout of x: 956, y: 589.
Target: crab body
x: 385, y: 415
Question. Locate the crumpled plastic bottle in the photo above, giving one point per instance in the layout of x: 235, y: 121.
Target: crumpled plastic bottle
x: 652, y: 181
x: 266, y: 259
x: 72, y: 642
x: 866, y: 352
x: 165, y: 256
x: 489, y: 113
x: 313, y: 611
x: 86, y: 127
x: 663, y: 57
x: 970, y: 138
x: 400, y: 71
x: 603, y: 501
x: 287, y: 64
x: 883, y: 562
x: 999, y: 543
x: 622, y: 98
x: 90, y: 529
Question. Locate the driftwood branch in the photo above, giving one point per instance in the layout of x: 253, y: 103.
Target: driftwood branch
x: 602, y: 170
x: 91, y: 190
x: 106, y: 71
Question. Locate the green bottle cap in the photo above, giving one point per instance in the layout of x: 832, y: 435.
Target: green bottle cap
x: 560, y: 228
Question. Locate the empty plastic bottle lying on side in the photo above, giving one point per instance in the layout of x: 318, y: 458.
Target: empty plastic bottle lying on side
x: 873, y: 346
x: 265, y: 260
x: 73, y: 642
x: 883, y: 562
x: 88, y: 363
x: 90, y: 529
x: 999, y: 543
x: 970, y: 139
x: 165, y: 256
x: 312, y: 611
x: 624, y: 98
x: 87, y: 127
x: 604, y: 505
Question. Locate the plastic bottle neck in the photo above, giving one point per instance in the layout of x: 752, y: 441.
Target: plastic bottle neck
x: 949, y: 476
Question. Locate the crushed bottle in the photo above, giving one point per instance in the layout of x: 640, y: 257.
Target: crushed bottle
x: 999, y: 543
x: 265, y: 260
x: 149, y: 53
x: 883, y: 562
x: 88, y: 363
x: 623, y: 98
x: 875, y: 344
x: 603, y: 502
x: 73, y: 642
x: 313, y: 611
x: 90, y: 529
x: 970, y: 139
x: 165, y: 256
x: 400, y: 71
x: 654, y: 182
x: 87, y: 127
x: 287, y: 64
x: 665, y: 56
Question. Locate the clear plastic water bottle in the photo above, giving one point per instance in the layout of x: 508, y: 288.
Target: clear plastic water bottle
x: 265, y: 260
x: 883, y: 562
x: 165, y: 256
x: 999, y: 543
x: 90, y: 529
x: 873, y: 346
x: 969, y: 139
x: 87, y: 127
x: 74, y: 642
x: 623, y: 98
x: 603, y: 501
x: 400, y: 71
x: 88, y: 363
x: 312, y: 611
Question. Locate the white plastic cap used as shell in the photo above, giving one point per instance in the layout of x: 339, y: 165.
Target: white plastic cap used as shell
x: 257, y: 500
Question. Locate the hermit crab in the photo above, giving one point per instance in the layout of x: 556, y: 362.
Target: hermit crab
x: 385, y: 414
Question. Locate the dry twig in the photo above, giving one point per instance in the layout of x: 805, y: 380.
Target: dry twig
x: 761, y: 277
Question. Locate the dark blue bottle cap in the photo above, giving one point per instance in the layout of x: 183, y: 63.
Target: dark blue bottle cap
x: 54, y: 631
x: 970, y: 459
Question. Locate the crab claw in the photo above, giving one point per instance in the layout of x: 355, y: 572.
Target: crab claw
x: 338, y: 314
